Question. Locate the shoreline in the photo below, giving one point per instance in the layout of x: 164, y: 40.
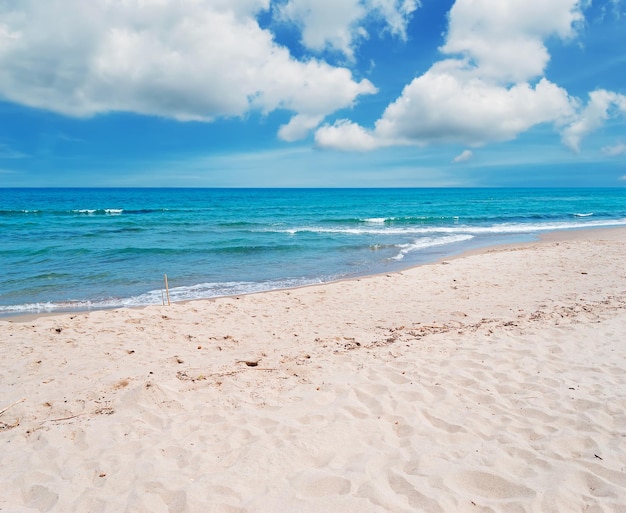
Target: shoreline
x: 556, y: 235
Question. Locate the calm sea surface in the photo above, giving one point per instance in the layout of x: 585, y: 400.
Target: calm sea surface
x: 78, y: 249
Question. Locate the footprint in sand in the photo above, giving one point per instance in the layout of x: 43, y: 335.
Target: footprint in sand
x: 321, y: 485
x: 489, y: 486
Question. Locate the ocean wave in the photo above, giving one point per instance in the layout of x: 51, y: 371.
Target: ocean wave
x: 429, y: 242
x: 91, y: 211
x: 388, y: 220
x: 441, y: 220
x: 12, y: 213
x: 252, y: 249
x: 493, y: 229
x: 101, y: 211
x: 238, y: 224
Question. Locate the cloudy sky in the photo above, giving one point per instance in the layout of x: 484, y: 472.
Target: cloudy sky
x: 313, y: 93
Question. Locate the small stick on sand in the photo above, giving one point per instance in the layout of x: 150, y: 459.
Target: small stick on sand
x: 11, y: 405
x: 63, y: 418
x: 230, y: 373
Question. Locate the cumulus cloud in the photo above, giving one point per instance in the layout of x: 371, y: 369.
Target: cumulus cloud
x: 340, y: 24
x: 505, y: 40
x: 395, y: 13
x: 346, y: 135
x: 298, y: 127
x: 449, y: 104
x: 601, y: 106
x: 488, y: 88
x: 464, y: 156
x: 193, y: 60
x: 326, y: 23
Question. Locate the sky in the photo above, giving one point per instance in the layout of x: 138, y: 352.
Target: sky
x: 312, y: 93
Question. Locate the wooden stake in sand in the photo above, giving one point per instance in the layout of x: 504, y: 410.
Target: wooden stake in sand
x: 167, y: 290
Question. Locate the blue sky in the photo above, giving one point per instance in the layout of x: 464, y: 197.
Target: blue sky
x: 312, y: 93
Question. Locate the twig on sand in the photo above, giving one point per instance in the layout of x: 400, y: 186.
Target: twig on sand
x: 64, y: 418
x: 230, y: 373
x: 11, y: 405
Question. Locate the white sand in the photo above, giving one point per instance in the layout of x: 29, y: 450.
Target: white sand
x: 493, y: 382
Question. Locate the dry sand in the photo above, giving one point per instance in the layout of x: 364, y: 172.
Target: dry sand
x: 491, y: 382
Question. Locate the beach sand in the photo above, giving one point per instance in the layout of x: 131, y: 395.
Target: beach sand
x: 493, y: 382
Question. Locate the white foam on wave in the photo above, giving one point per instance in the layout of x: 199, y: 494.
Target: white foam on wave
x: 231, y: 288
x: 29, y: 308
x: 158, y: 296
x: 584, y: 215
x: 429, y: 242
x: 93, y: 211
x: 496, y: 229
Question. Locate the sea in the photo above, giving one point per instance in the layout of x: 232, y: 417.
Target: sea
x: 83, y: 249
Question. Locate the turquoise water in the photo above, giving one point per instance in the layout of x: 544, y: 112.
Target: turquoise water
x: 77, y: 249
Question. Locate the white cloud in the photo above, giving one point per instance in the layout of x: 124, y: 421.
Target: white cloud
x: 506, y: 39
x: 615, y: 151
x: 396, y: 14
x: 340, y: 24
x: 601, y: 106
x: 326, y: 23
x: 193, y: 60
x: 298, y: 127
x: 464, y: 156
x: 345, y: 135
x: 489, y: 88
x: 446, y: 106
